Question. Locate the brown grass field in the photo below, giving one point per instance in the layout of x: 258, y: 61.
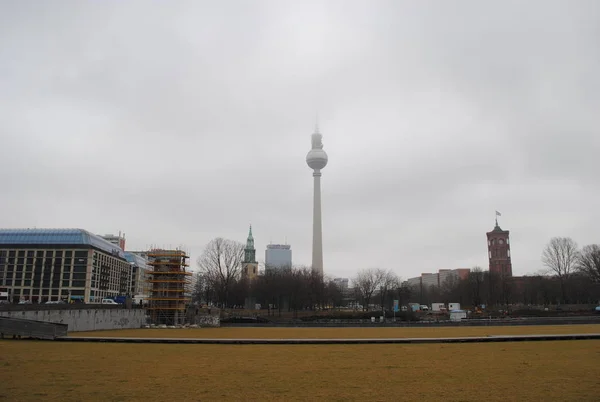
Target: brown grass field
x: 321, y: 333
x: 508, y: 371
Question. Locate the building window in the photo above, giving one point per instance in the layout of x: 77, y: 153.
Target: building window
x: 81, y: 254
x: 79, y: 276
x: 508, y: 253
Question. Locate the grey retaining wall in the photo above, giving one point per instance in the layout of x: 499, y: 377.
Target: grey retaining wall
x: 222, y: 341
x: 85, y: 319
x: 426, y: 324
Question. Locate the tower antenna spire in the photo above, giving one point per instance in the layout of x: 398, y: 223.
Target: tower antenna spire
x: 317, y: 122
x: 317, y: 160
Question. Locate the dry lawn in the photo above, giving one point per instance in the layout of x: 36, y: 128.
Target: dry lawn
x: 321, y: 333
x: 530, y: 371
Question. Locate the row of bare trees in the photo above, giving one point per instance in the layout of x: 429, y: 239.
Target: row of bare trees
x: 572, y: 276
x: 563, y: 258
x: 221, y: 282
x: 485, y: 288
x: 382, y: 285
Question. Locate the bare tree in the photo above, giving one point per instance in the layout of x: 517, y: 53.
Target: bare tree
x: 202, y: 292
x: 387, y: 282
x: 365, y: 284
x: 221, y: 264
x: 588, y: 262
x: 403, y: 292
x: 560, y: 256
x: 476, y: 279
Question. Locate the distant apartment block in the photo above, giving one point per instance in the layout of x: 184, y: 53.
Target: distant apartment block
x: 342, y: 283
x: 118, y: 241
x: 443, y: 276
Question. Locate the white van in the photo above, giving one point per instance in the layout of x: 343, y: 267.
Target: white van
x: 108, y: 301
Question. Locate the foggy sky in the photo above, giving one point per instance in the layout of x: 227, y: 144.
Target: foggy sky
x: 177, y: 122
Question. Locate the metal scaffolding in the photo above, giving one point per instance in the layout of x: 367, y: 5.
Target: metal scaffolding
x: 169, y: 280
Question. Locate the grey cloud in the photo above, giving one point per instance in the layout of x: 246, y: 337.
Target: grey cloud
x: 185, y: 121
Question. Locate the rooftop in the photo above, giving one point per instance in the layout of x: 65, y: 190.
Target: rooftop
x: 57, y: 237
x: 136, y: 259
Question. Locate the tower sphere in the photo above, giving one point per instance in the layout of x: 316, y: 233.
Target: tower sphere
x: 316, y: 157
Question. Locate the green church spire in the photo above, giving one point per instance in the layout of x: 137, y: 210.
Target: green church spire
x: 250, y: 251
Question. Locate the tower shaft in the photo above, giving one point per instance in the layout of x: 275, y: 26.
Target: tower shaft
x: 317, y: 247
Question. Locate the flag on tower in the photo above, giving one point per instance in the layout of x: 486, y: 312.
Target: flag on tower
x: 498, y: 213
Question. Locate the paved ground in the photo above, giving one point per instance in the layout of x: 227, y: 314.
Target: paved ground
x: 247, y: 341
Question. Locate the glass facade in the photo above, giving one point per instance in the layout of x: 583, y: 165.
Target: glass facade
x: 139, y: 274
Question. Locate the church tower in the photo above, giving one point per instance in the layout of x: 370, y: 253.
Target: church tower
x: 499, y: 251
x: 250, y: 266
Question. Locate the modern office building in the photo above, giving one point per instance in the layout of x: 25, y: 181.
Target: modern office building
x: 140, y: 274
x: 61, y: 264
x: 278, y: 256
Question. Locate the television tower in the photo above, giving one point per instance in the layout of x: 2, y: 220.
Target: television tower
x: 317, y: 160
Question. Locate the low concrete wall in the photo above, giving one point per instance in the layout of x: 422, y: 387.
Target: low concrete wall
x: 85, y: 319
x: 426, y: 324
x: 210, y: 321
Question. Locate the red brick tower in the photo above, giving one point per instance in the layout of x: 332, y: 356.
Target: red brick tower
x: 499, y: 251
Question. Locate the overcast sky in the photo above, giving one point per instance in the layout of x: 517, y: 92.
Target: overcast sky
x: 178, y: 122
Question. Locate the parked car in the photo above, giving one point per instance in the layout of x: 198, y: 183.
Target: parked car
x: 24, y: 301
x: 108, y: 301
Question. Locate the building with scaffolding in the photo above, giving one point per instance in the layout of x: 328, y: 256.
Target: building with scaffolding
x: 169, y: 282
